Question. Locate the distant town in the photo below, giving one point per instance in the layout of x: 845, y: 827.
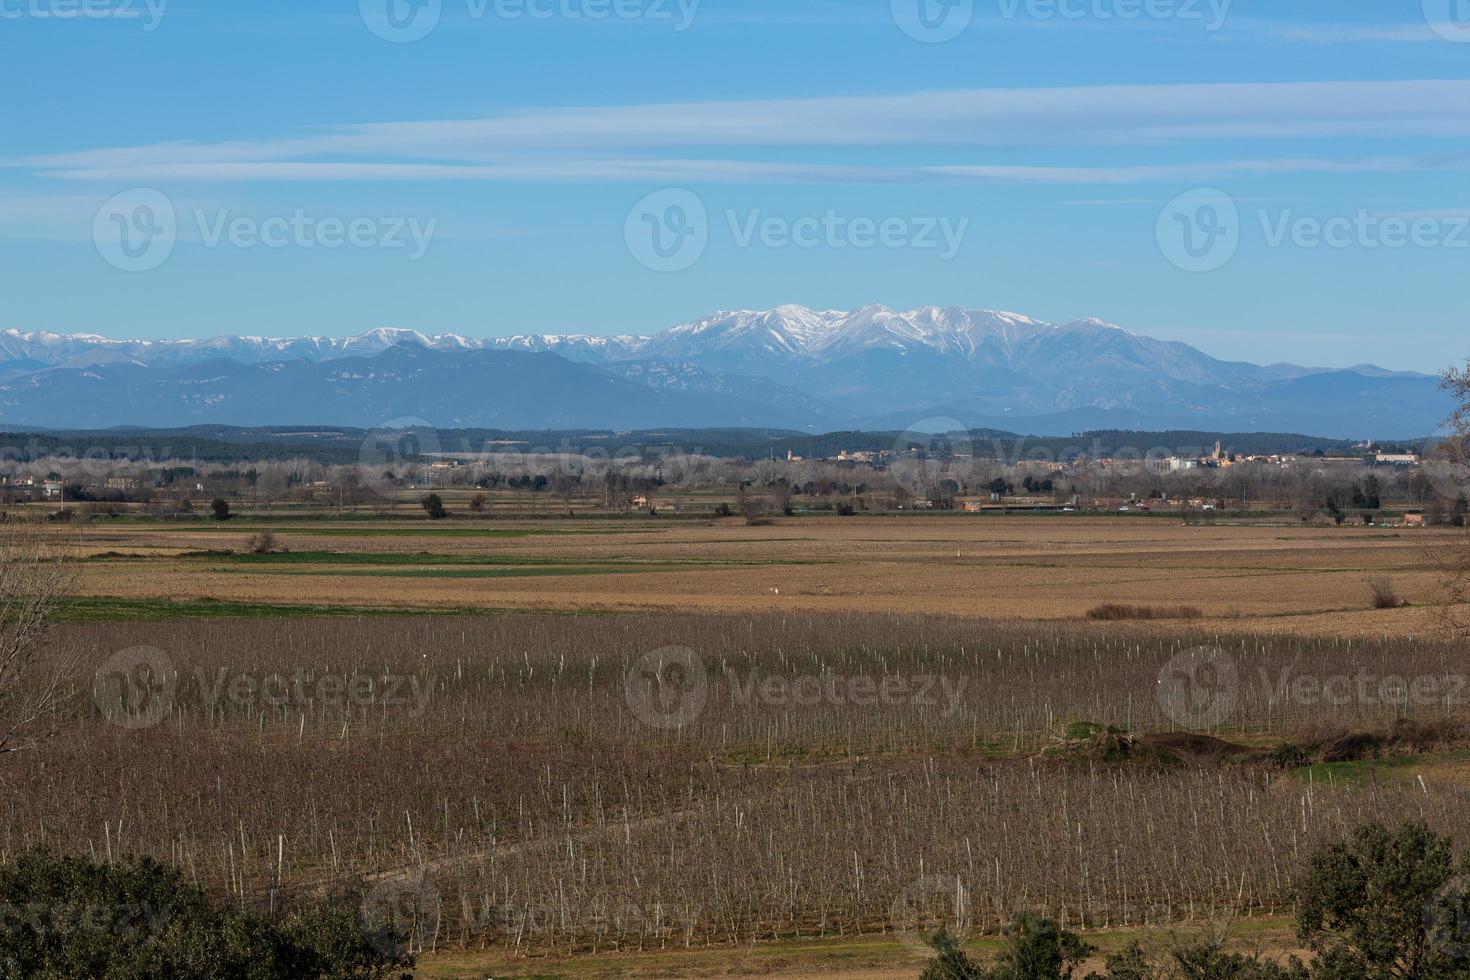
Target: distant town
x: 342, y: 471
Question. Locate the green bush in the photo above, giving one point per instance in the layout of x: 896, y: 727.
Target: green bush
x: 1036, y: 949
x: 951, y: 963
x: 67, y: 917
x: 1387, y: 904
x: 1039, y: 949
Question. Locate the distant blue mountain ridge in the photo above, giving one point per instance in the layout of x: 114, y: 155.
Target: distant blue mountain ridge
x: 790, y: 367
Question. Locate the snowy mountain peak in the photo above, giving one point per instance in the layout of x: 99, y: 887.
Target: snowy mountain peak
x: 789, y: 366
x: 1094, y: 322
x: 787, y: 331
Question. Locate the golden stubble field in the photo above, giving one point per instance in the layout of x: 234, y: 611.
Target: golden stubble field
x: 1244, y: 577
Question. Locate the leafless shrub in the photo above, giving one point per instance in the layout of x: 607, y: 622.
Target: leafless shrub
x: 1112, y: 611
x: 264, y: 543
x: 1384, y: 593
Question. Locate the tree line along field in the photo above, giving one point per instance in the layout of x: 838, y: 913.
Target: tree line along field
x: 518, y: 786
x: 1258, y: 576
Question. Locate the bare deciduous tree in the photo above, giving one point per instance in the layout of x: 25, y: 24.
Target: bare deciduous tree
x: 35, y: 582
x: 1454, y: 453
x: 566, y: 485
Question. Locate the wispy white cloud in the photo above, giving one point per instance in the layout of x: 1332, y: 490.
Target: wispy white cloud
x: 1143, y: 173
x: 532, y: 171
x: 1441, y: 214
x: 630, y: 142
x: 1417, y: 32
x: 739, y: 171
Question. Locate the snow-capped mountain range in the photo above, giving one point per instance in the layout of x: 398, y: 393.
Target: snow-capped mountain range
x: 790, y: 367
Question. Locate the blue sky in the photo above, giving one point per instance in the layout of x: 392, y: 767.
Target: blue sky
x: 1266, y: 181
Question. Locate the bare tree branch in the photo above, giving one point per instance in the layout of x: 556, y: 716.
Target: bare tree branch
x: 35, y: 581
x: 1454, y: 452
